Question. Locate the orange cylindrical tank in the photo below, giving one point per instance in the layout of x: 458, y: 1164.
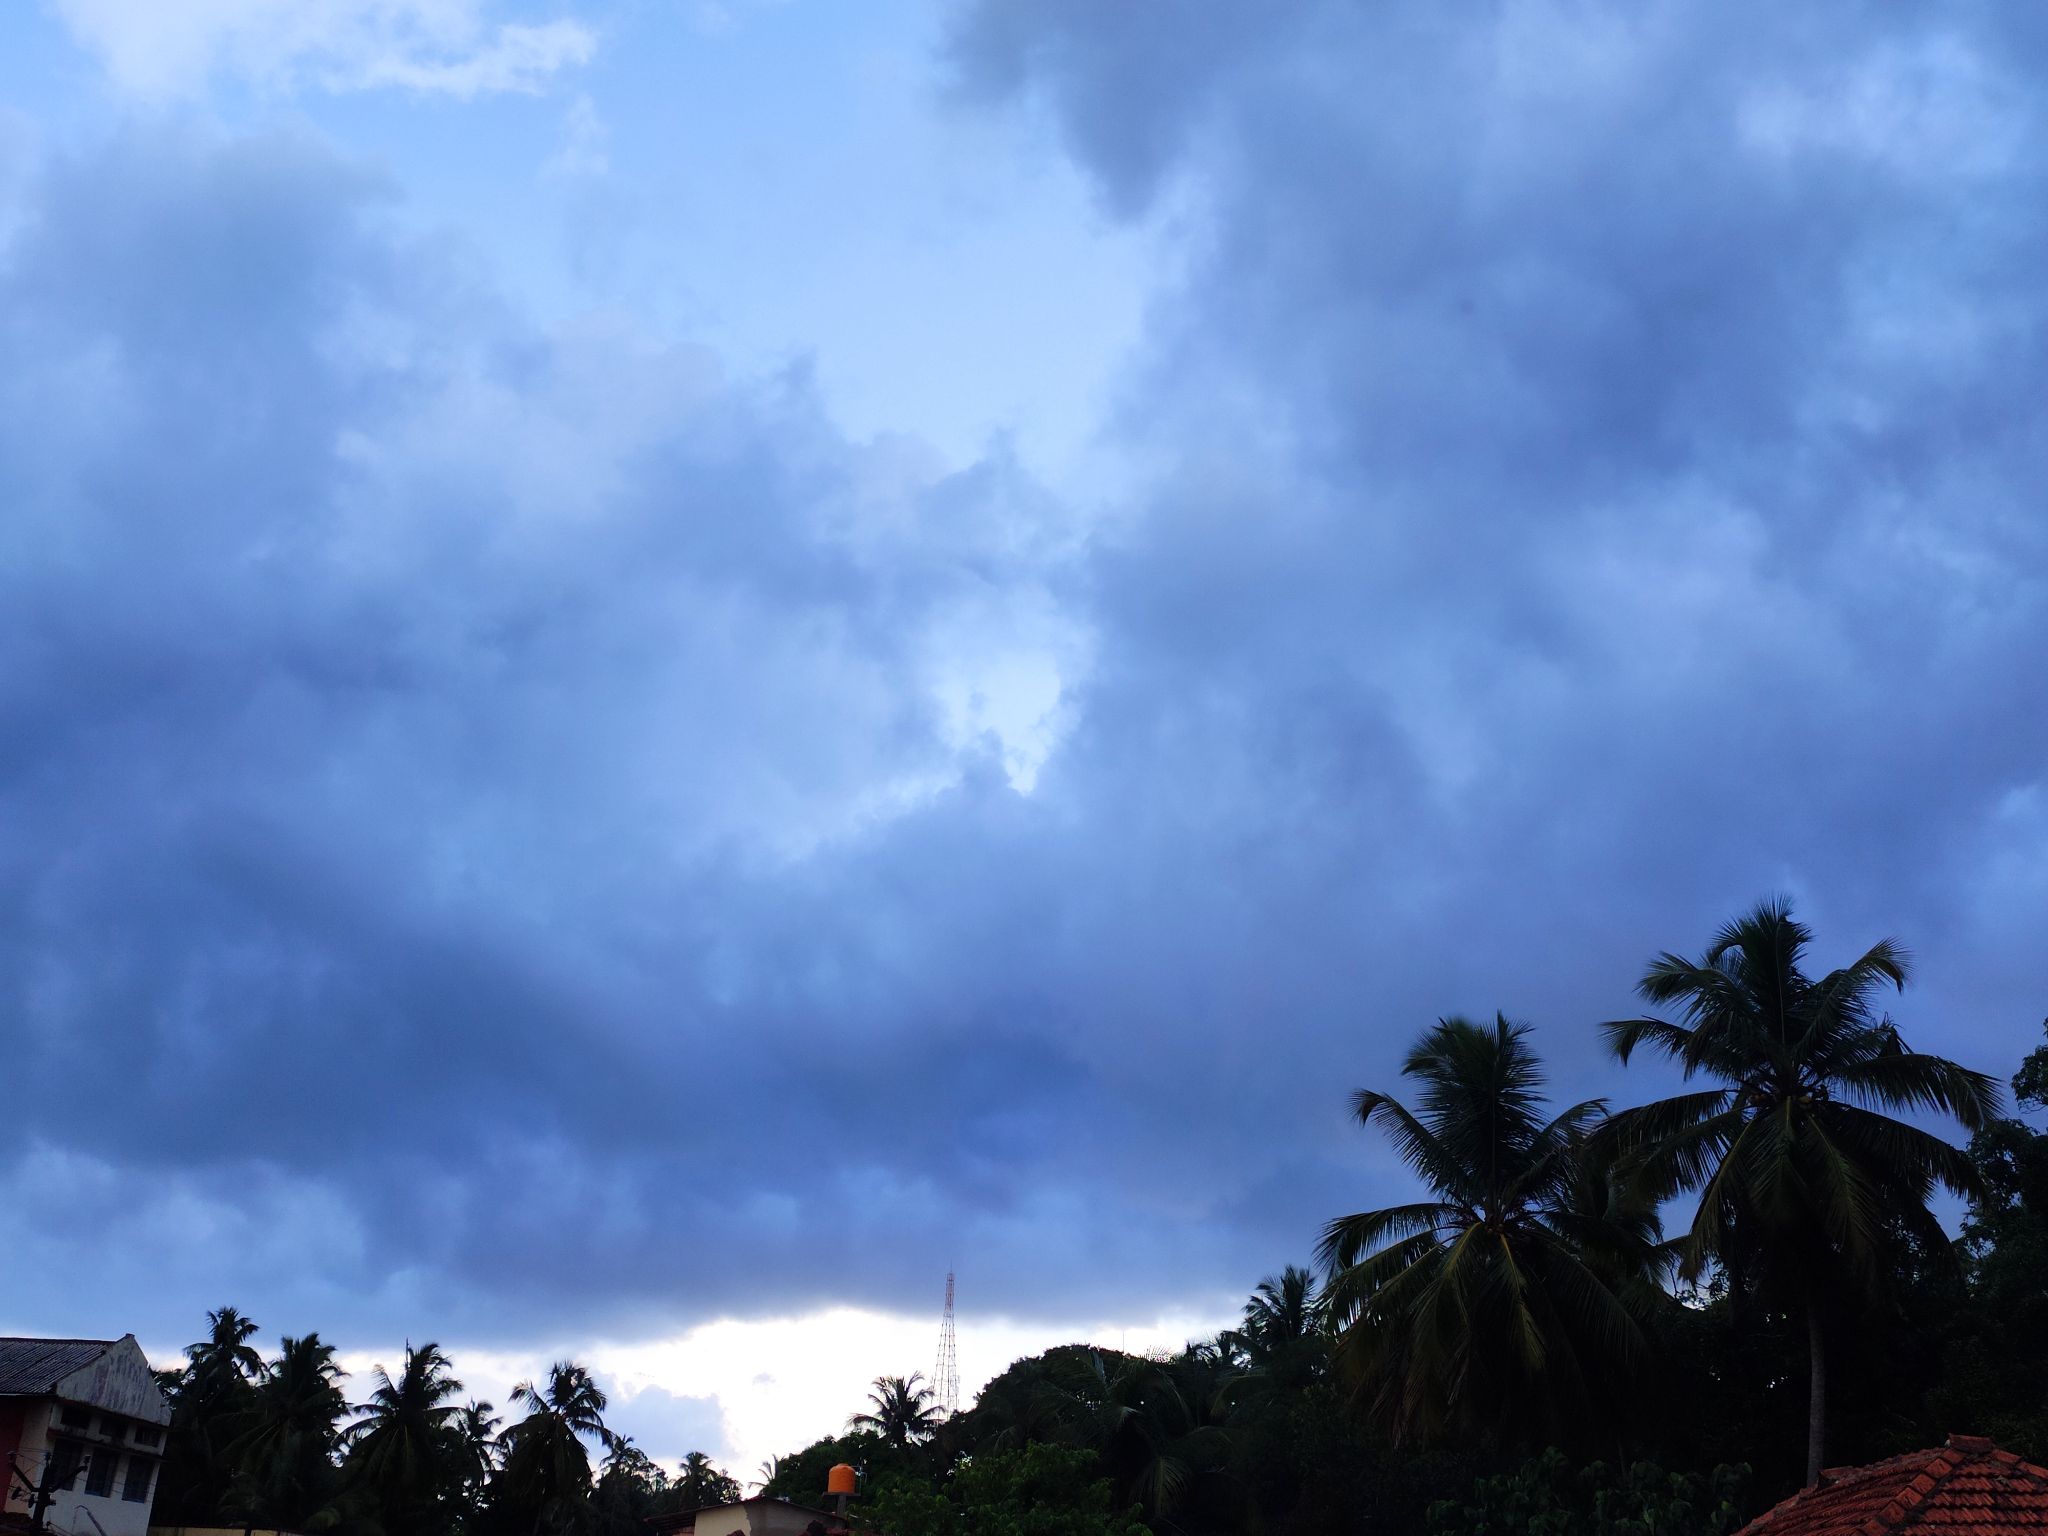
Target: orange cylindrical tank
x: 841, y: 1479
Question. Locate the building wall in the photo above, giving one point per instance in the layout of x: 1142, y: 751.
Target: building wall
x: 119, y: 1381
x: 756, y: 1517
x: 31, y: 1450
x: 77, y: 1509
x: 11, y: 1414
x: 120, y: 1415
x: 767, y: 1519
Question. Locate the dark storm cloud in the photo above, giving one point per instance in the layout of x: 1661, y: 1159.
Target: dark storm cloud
x: 1601, y: 464
x: 483, y: 839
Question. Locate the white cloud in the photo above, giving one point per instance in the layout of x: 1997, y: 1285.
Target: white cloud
x: 585, y: 143
x: 777, y: 1384
x: 157, y: 50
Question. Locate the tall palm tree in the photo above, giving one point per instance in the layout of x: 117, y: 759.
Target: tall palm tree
x: 546, y: 1466
x: 476, y: 1430
x: 1283, y: 1309
x: 1796, y: 1156
x: 1493, y: 1307
x: 1283, y: 1334
x: 224, y: 1359
x: 211, y: 1400
x: 286, y: 1477
x: 700, y: 1484
x: 408, y: 1449
x: 901, y: 1410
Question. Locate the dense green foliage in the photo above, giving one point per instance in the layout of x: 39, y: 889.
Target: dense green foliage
x: 1548, y: 1497
x: 1042, y: 1490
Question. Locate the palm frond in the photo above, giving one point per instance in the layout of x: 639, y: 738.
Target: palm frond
x: 1624, y: 1036
x: 1905, y: 1152
x: 1843, y: 1193
x: 1912, y: 1081
x: 1415, y: 1142
x: 1347, y: 1238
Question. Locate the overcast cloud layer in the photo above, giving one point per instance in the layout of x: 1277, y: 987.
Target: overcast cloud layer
x: 516, y: 829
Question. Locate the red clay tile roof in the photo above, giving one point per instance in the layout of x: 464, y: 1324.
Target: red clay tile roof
x: 1967, y: 1488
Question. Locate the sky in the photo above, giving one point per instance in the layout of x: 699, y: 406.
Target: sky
x: 667, y: 665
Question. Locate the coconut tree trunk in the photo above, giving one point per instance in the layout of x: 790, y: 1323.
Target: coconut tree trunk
x: 1816, y: 1394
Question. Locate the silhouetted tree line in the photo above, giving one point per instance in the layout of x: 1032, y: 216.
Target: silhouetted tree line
x: 274, y: 1444
x: 1525, y: 1348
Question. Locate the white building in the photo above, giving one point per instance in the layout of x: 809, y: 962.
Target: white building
x: 81, y: 1436
x: 753, y: 1517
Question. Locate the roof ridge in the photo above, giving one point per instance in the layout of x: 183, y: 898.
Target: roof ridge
x: 1832, y: 1478
x: 1904, y: 1507
x: 1912, y: 1492
x: 1836, y: 1477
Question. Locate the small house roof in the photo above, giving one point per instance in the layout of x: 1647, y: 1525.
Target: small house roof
x: 33, y: 1367
x: 1968, y: 1487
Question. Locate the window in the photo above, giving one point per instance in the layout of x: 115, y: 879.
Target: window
x: 148, y: 1434
x: 99, y: 1477
x: 74, y: 1418
x: 66, y: 1456
x: 136, y: 1488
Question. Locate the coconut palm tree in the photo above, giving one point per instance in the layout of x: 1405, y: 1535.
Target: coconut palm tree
x: 1283, y: 1337
x: 701, y: 1485
x: 1493, y: 1307
x: 224, y: 1359
x: 546, y: 1465
x: 1169, y: 1449
x: 408, y: 1449
x: 901, y: 1411
x: 286, y: 1478
x: 211, y: 1399
x: 1796, y: 1155
x: 1283, y: 1309
x: 476, y: 1431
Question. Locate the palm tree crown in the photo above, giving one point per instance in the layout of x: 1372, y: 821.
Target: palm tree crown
x: 570, y: 1398
x: 1794, y: 1147
x: 285, y: 1470
x: 547, y: 1466
x: 225, y: 1359
x: 408, y: 1444
x: 1797, y: 1159
x: 476, y: 1432
x: 900, y: 1409
x: 700, y: 1484
x: 1283, y: 1338
x: 1502, y: 1304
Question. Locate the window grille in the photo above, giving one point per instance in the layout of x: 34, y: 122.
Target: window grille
x: 99, y: 1477
x: 66, y: 1456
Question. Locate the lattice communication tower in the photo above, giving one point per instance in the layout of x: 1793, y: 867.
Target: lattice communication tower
x: 946, y: 1374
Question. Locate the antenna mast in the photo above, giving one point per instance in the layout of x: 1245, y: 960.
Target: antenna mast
x: 946, y: 1374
